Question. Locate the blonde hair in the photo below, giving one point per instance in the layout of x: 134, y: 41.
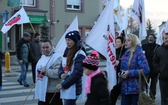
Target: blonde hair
x: 135, y: 42
x: 134, y: 39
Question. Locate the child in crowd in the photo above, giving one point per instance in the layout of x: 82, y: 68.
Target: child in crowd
x: 96, y: 83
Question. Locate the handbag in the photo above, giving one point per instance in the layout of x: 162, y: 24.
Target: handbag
x: 144, y: 98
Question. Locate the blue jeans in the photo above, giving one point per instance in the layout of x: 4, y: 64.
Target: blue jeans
x: 130, y: 99
x: 69, y: 101
x: 23, y: 75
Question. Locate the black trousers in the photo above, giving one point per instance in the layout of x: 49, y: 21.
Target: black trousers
x: 153, y: 84
x: 55, y: 101
x: 115, y: 92
x: 34, y: 71
x: 163, y: 90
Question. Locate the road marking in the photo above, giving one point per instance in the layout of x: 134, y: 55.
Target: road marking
x: 15, y: 99
x: 6, y: 92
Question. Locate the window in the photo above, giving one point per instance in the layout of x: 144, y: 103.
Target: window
x: 73, y: 4
x: 30, y: 3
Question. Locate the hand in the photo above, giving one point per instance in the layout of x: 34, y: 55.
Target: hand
x: 20, y: 62
x: 58, y: 87
x: 64, y: 75
x: 117, y: 62
x: 125, y: 75
x: 43, y: 71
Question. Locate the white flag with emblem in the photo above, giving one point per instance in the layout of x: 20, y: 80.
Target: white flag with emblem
x: 102, y: 39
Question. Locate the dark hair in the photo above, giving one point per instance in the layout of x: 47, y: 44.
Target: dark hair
x: 152, y: 34
x: 121, y: 38
x: 70, y: 54
x: 46, y: 40
x: 36, y: 34
x: 166, y: 33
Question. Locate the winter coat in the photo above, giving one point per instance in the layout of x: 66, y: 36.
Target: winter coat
x: 160, y: 61
x: 76, y: 75
x: 35, y: 49
x: 139, y: 61
x: 150, y: 49
x: 99, y: 93
x: 119, y: 52
x: 22, y: 50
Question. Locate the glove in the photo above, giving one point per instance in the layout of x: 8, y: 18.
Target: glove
x: 64, y: 75
x: 58, y: 87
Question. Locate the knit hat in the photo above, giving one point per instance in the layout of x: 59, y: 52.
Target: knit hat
x: 26, y: 34
x: 74, y: 35
x: 91, y: 61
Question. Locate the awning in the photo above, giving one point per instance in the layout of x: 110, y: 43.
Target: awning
x: 37, y: 19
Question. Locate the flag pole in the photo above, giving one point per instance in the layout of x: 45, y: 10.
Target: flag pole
x: 22, y: 25
x: 32, y: 28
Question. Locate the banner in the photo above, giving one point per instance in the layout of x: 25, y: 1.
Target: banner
x: 19, y: 17
x: 138, y: 14
x: 164, y: 30
x: 103, y: 33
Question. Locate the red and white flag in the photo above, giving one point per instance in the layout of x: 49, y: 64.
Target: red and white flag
x: 164, y: 30
x: 103, y: 33
x: 19, y: 17
x: 138, y: 14
x: 60, y: 47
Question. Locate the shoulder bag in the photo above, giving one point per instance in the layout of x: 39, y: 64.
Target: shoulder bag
x: 144, y: 98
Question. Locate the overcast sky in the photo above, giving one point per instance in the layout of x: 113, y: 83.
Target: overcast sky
x: 155, y: 10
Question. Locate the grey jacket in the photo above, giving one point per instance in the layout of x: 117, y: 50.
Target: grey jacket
x: 22, y: 50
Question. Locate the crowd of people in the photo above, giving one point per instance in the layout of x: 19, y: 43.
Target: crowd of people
x: 58, y: 78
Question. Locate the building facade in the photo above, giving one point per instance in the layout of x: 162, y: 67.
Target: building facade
x: 57, y: 14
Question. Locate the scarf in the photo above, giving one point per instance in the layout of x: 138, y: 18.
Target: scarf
x: 88, y: 81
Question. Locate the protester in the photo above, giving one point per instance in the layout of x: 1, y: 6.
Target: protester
x: 47, y: 76
x: 132, y: 61
x: 96, y: 83
x: 160, y: 61
x: 23, y: 55
x: 71, y: 70
x: 35, y: 49
x: 120, y: 50
x: 150, y: 49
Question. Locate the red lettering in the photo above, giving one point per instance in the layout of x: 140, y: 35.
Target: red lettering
x: 110, y: 38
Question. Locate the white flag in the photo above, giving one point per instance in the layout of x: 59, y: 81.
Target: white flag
x: 60, y: 48
x: 19, y: 17
x: 164, y: 30
x: 124, y: 22
x: 117, y: 14
x: 138, y: 14
x: 103, y: 34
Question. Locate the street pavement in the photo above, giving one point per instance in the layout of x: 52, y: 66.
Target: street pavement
x: 14, y: 94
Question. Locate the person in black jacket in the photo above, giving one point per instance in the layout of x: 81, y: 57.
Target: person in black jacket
x: 120, y: 50
x: 96, y: 83
x: 150, y: 49
x: 160, y: 61
x: 23, y: 55
x: 71, y: 70
x: 36, y: 53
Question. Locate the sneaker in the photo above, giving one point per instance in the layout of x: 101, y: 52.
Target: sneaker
x: 20, y: 82
x: 26, y: 85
